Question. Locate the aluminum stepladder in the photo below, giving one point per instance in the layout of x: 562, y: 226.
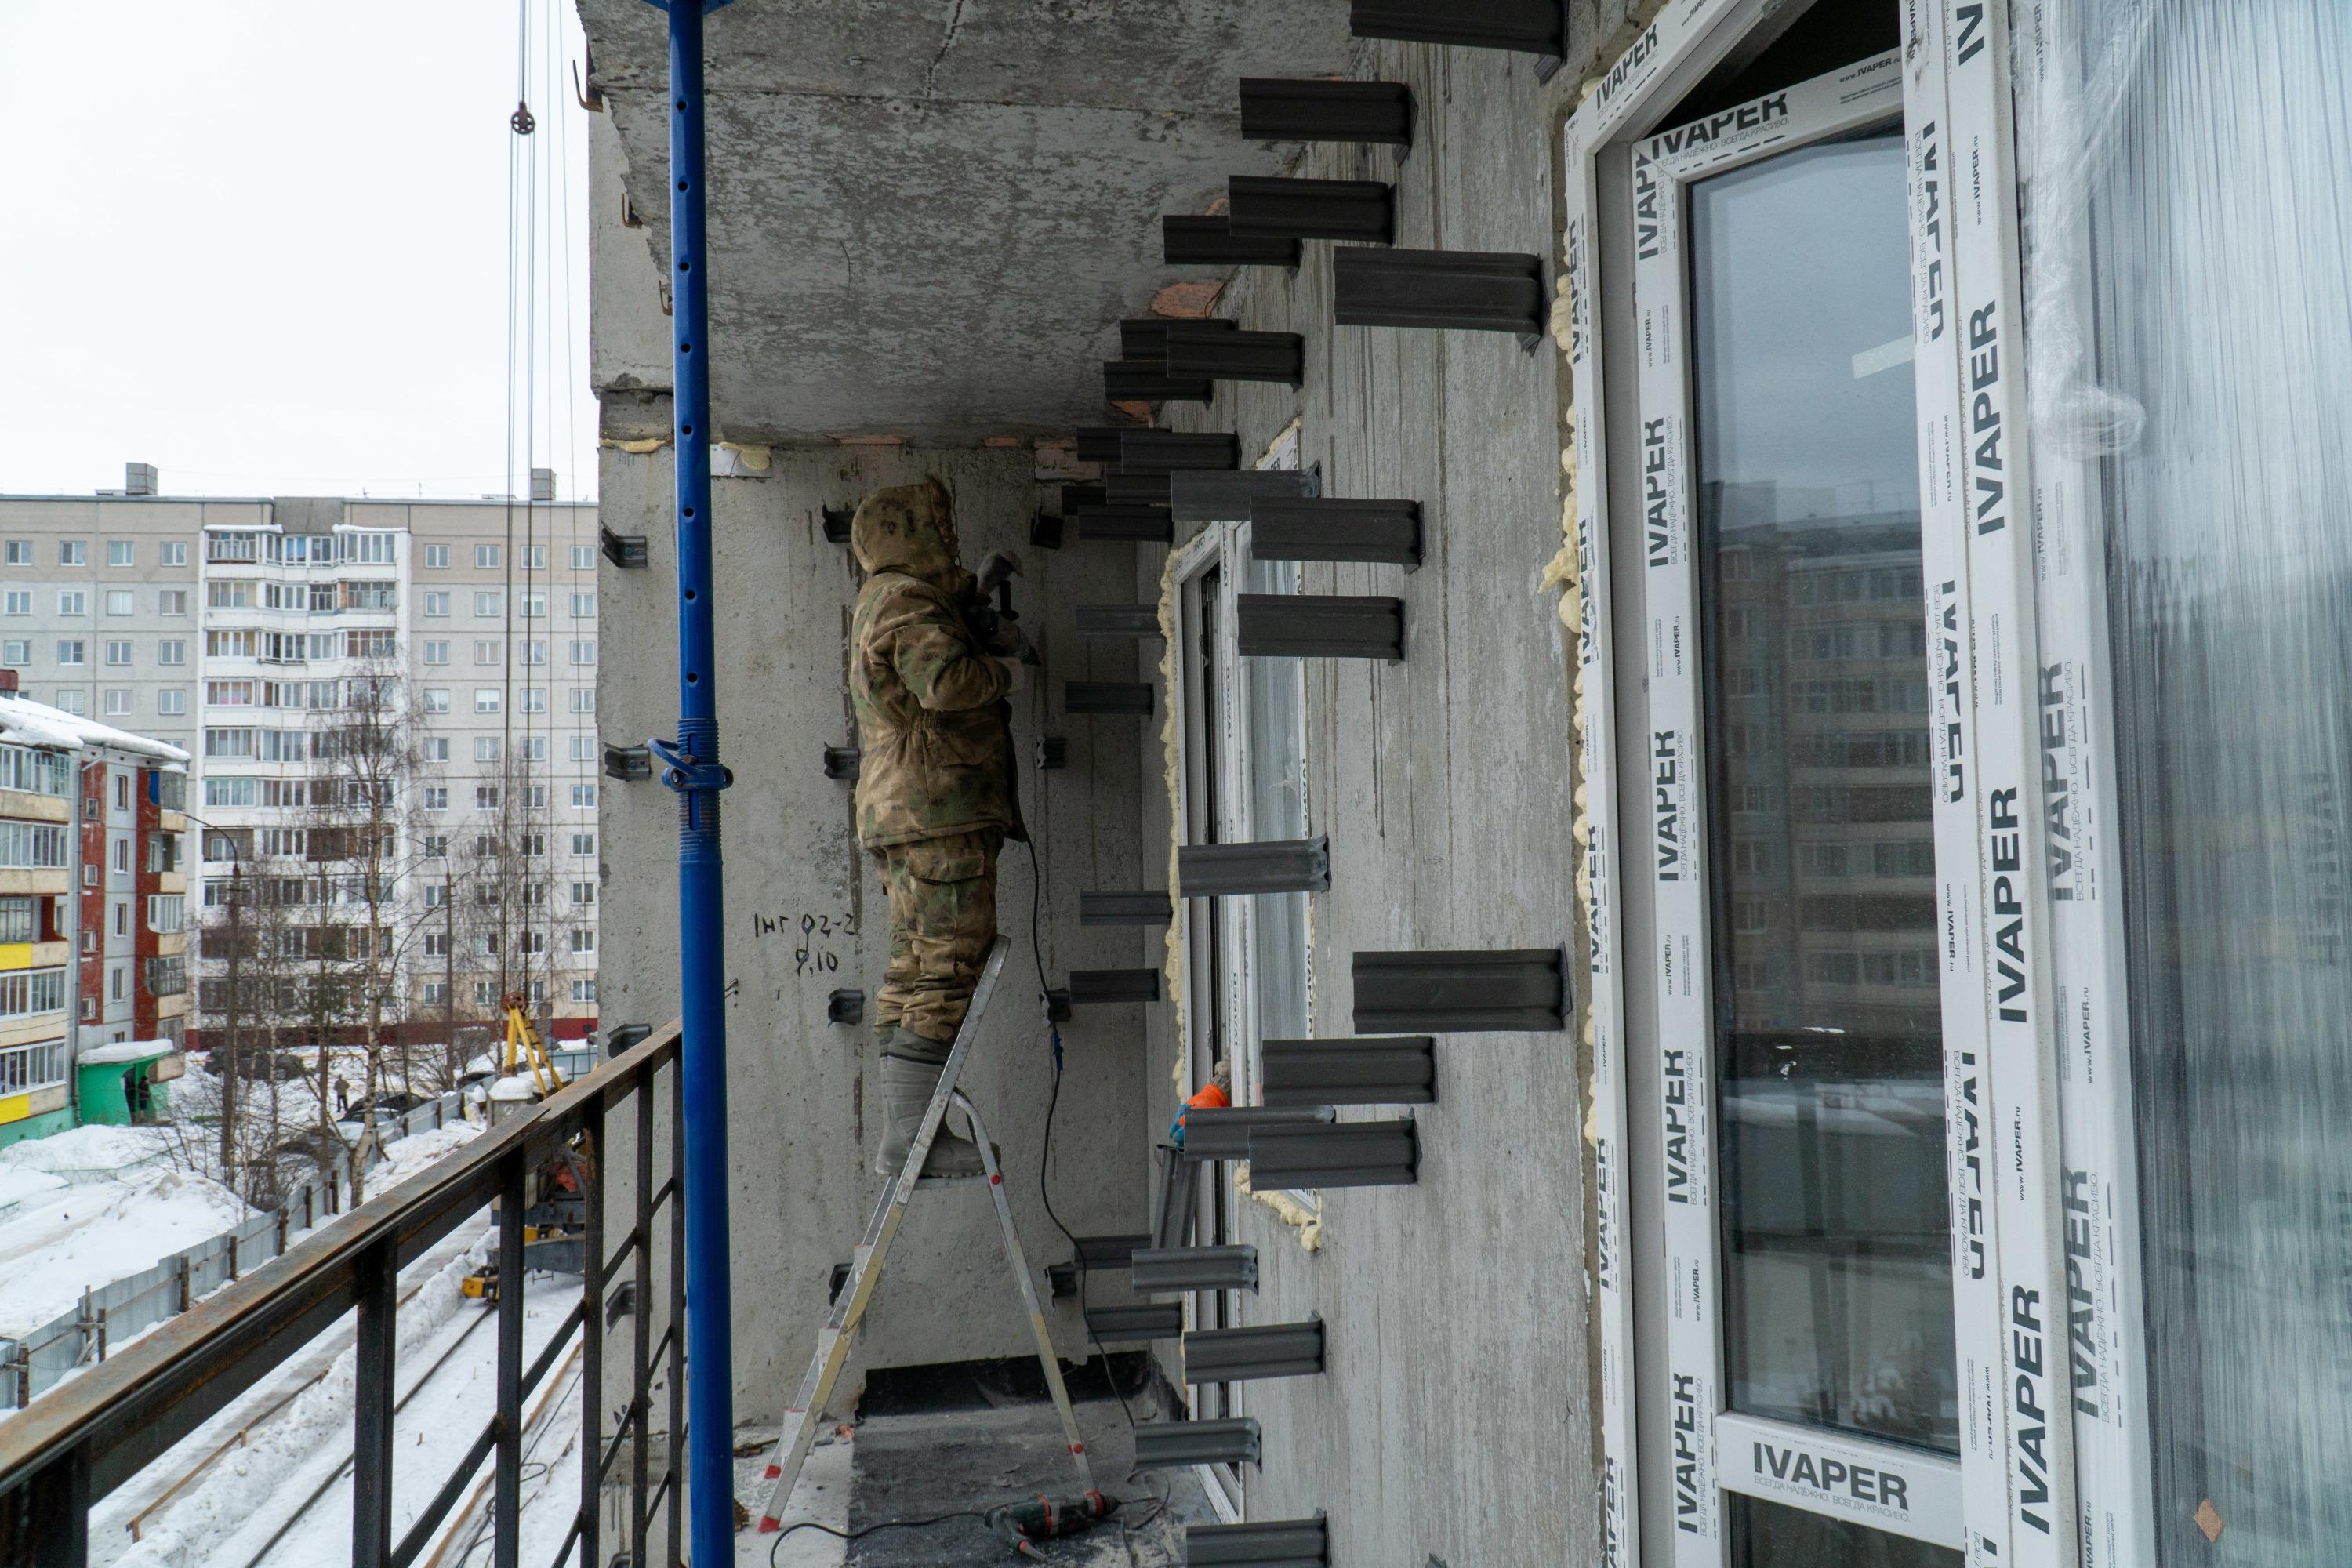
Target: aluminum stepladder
x: 848, y: 1311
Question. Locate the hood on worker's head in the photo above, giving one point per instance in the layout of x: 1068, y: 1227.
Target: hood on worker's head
x: 910, y: 529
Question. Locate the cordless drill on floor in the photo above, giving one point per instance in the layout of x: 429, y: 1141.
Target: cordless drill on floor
x: 1041, y: 1517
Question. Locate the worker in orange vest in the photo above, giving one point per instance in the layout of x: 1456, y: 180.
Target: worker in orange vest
x: 1216, y: 1095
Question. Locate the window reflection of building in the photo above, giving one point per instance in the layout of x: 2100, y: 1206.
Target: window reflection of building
x: 1836, y: 1229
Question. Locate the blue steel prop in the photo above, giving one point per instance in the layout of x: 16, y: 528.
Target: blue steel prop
x: 691, y: 767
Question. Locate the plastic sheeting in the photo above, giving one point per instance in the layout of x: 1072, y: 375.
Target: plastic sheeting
x: 2192, y: 338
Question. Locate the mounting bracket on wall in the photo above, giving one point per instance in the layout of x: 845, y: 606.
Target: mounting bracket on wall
x: 1147, y: 380
x: 1211, y: 242
x: 1099, y: 443
x: 1275, y: 208
x: 1143, y: 489
x: 1130, y: 698
x: 1130, y: 521
x: 626, y: 549
x: 1334, y: 1154
x: 845, y: 1007
x: 1156, y: 1270
x: 1449, y: 291
x: 1177, y: 451
x: 1442, y: 992
x: 1318, y: 527
x: 836, y: 521
x: 1110, y: 987
x: 628, y: 763
x: 1146, y: 337
x: 1279, y: 1544
x: 1044, y: 531
x: 1243, y: 1355
x: 1052, y: 752
x: 1141, y: 909
x: 1118, y: 620
x: 842, y: 762
x: 1386, y: 1069
x: 1278, y: 108
x: 1277, y: 357
x: 1319, y: 625
x: 1223, y: 1132
x: 1201, y: 495
x: 1236, y: 870
x: 1161, y: 1445
x: 1525, y: 26
x: 1153, y: 1320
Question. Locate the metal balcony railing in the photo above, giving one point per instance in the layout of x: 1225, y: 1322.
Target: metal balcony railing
x: 76, y: 1444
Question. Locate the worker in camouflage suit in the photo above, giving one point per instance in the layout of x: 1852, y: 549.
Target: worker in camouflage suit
x: 934, y: 792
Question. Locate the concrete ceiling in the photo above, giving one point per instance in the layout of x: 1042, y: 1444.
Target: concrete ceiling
x: 926, y: 217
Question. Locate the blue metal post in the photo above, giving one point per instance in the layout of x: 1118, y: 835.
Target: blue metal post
x: 693, y: 770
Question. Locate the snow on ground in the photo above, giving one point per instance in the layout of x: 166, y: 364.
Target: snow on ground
x: 66, y: 1235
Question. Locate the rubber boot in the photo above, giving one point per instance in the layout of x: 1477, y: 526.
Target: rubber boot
x: 910, y: 1072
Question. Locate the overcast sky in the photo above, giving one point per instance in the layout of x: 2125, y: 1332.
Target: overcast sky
x: 263, y: 246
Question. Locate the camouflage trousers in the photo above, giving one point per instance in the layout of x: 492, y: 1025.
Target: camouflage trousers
x: 942, y: 895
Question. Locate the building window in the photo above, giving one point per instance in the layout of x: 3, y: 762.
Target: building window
x: 584, y: 844
x: 118, y: 701
x: 120, y: 552
x: 583, y: 940
x: 583, y: 651
x: 486, y: 700
x: 531, y: 700
x: 585, y: 990
x: 73, y: 552
x: 583, y: 699
x: 28, y: 991
x: 172, y: 553
x: 19, y: 602
x: 72, y: 602
x: 584, y: 796
x: 486, y: 651
x: 172, y: 601
x: 32, y: 847
x: 486, y: 748
x: 584, y: 607
x: 437, y: 557
x: 172, y: 651
x: 486, y: 557
x: 70, y: 650
x: 437, y: 699
x: 436, y: 604
x: 17, y: 652
x: 489, y: 603
x: 171, y: 702
x: 534, y: 557
x: 532, y: 651
x: 436, y: 748
x: 583, y: 894
x: 118, y: 651
x: 436, y: 650
x: 583, y: 748
x: 486, y: 797
x: 121, y: 602
x: 532, y: 607
x: 73, y: 700
x: 17, y: 919
x: 20, y: 552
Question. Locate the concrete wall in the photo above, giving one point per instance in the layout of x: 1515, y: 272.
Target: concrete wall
x: 1455, y: 1417
x: 806, y: 916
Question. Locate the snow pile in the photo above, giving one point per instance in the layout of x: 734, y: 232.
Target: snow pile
x: 115, y: 1051
x: 61, y: 1239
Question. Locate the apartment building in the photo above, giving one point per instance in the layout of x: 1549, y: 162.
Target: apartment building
x: 258, y: 635
x: 93, y: 967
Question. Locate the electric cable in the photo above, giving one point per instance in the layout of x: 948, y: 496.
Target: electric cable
x: 871, y: 1528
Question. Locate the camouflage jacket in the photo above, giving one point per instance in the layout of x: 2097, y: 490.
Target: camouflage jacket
x: 931, y: 715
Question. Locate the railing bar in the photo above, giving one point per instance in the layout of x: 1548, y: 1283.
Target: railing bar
x: 506, y: 1503
x: 376, y: 1342
x: 662, y: 1194
x: 555, y: 1342
x: 661, y: 1488
x: 677, y: 1336
x: 661, y: 1345
x: 564, y: 1553
x: 641, y: 1378
x: 420, y: 1534
x: 612, y: 1449
x: 619, y: 1254
x: 592, y: 1341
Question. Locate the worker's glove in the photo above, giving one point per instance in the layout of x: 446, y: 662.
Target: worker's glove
x: 1007, y: 640
x: 1000, y: 565
x: 1016, y: 675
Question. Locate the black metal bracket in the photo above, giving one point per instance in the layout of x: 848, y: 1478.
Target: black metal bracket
x: 836, y: 521
x: 1147, y: 380
x: 1127, y: 699
x: 1334, y: 1154
x: 845, y: 1007
x: 1442, y: 992
x: 1144, y: 908
x: 1279, y: 357
x: 1057, y: 1006
x: 1133, y: 523
x: 1319, y: 625
x: 1276, y: 109
x: 1527, y: 26
x: 1096, y: 443
x: 1451, y: 290
x: 1278, y: 1543
x: 1076, y: 496
x: 1136, y: 489
x: 843, y: 761
x: 1205, y: 495
x: 1211, y: 242
x: 1234, y: 870
x: 1223, y: 1132
x: 1052, y: 752
x: 1118, y: 620
x: 1175, y: 451
x: 624, y: 1039
x: 1304, y: 528
x: 1387, y: 1070
x: 628, y: 763
x: 1163, y: 1444
x: 1241, y: 1355
x: 1044, y: 531
x: 1272, y: 207
x: 1160, y: 1270
x: 621, y: 548
x: 1110, y: 987
x: 1154, y: 1321
x: 1147, y: 337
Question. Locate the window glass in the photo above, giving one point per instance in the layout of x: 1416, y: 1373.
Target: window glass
x: 1836, y: 1257
x: 1770, y: 1535
x: 1276, y: 759
x: 2219, y: 314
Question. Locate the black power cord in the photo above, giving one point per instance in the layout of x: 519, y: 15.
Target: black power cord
x: 871, y: 1528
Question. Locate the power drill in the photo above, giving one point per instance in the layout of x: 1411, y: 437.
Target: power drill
x: 1041, y: 1517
